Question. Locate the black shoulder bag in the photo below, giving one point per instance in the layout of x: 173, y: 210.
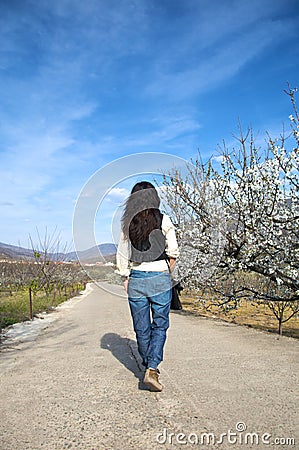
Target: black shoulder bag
x: 175, y: 300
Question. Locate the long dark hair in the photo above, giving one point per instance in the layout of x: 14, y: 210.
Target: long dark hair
x: 141, y: 215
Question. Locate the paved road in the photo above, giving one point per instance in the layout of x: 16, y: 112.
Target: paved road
x: 78, y: 384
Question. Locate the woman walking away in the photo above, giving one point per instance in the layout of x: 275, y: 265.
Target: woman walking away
x: 146, y: 255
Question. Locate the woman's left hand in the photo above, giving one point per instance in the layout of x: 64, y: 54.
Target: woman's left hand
x: 126, y: 284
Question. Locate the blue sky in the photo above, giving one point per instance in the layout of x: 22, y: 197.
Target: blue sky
x: 84, y: 83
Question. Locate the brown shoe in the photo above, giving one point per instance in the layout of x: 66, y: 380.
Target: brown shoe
x: 151, y: 379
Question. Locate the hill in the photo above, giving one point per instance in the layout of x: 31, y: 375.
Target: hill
x: 8, y: 251
x: 99, y: 253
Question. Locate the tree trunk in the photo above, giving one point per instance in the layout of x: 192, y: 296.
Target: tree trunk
x: 280, y: 326
x: 30, y: 304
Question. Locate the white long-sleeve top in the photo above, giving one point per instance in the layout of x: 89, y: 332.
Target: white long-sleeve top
x: 124, y: 265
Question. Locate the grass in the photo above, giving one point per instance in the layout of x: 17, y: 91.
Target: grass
x: 255, y: 316
x: 14, y: 306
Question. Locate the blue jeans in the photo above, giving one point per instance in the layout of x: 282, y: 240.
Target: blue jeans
x: 149, y: 296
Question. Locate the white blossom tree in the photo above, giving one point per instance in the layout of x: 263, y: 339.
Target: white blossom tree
x: 240, y: 216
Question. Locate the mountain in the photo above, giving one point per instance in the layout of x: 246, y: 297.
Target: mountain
x: 14, y: 252
x: 99, y: 253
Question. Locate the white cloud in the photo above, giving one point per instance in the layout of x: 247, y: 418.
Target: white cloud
x: 117, y: 194
x: 218, y: 159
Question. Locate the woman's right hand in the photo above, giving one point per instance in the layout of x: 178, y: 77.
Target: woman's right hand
x: 172, y: 262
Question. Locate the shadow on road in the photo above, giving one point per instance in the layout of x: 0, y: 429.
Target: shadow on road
x: 125, y: 350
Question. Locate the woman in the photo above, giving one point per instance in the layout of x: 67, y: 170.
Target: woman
x: 146, y: 255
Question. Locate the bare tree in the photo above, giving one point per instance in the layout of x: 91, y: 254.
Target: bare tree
x: 47, y: 252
